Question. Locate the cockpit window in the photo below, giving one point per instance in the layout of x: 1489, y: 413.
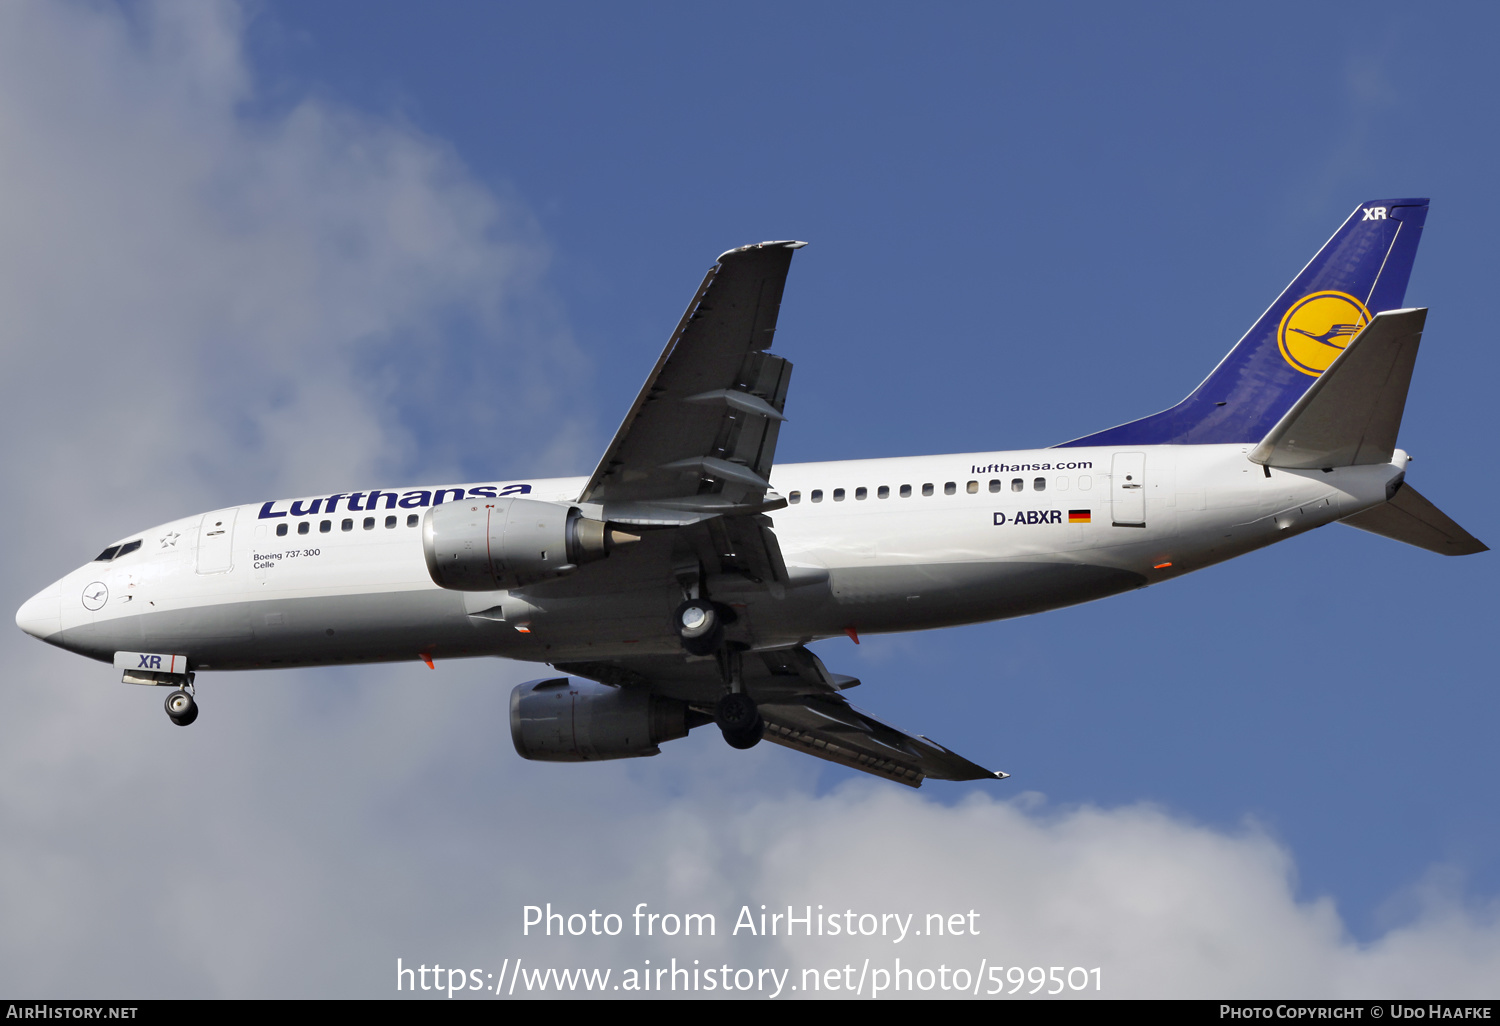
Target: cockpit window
x: 116, y: 551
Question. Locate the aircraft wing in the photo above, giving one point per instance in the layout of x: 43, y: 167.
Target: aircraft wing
x: 695, y: 452
x: 700, y: 438
x: 745, y: 545
x: 800, y: 701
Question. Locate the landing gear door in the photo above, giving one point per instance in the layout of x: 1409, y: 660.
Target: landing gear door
x: 216, y: 542
x: 1128, y: 489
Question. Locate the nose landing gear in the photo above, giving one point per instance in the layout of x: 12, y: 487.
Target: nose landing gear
x: 181, y: 708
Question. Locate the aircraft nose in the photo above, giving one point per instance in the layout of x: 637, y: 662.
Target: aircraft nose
x: 41, y: 614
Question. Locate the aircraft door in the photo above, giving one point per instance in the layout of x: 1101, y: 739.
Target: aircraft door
x: 216, y: 542
x: 1128, y: 489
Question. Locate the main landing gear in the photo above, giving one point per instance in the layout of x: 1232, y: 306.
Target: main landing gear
x: 181, y: 708
x: 700, y: 626
x: 739, y: 719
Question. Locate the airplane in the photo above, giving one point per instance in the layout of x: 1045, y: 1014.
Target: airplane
x: 666, y: 596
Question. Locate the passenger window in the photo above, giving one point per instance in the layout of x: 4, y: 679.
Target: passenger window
x: 411, y: 520
x: 994, y: 484
x: 325, y: 527
x: 927, y: 489
x: 304, y: 527
x: 107, y: 554
x: 1016, y: 484
x: 1061, y: 484
x: 817, y: 495
x: 1085, y: 482
x: 370, y: 523
x: 906, y: 491
x: 794, y: 498
x: 390, y: 522
x: 861, y: 493
x: 973, y: 487
x: 883, y: 492
x: 950, y: 488
x: 347, y: 525
x: 838, y: 495
x: 1040, y: 484
x: 281, y: 530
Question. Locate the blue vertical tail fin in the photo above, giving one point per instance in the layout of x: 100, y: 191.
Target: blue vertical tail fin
x: 1358, y: 273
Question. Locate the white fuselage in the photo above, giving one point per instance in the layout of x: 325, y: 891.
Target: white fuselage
x: 870, y: 545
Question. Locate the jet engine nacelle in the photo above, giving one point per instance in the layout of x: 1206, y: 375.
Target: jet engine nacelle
x: 560, y: 720
x: 504, y: 543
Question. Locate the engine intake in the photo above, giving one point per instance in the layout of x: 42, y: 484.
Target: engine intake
x: 560, y: 720
x: 505, y: 543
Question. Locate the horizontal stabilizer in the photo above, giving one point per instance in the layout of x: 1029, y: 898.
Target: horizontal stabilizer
x: 1410, y: 518
x: 1350, y: 415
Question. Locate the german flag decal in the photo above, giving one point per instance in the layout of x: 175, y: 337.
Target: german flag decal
x: 1080, y: 516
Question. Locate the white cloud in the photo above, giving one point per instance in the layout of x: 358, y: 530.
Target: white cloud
x: 200, y: 307
x: 224, y: 305
x: 312, y: 828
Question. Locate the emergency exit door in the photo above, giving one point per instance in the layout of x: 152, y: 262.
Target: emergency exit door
x: 1128, y: 489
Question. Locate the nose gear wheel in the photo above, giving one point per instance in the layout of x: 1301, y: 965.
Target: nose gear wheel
x: 181, y: 708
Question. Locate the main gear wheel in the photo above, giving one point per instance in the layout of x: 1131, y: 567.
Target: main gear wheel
x: 739, y: 718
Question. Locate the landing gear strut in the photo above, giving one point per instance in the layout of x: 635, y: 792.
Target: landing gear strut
x: 700, y: 626
x: 181, y: 709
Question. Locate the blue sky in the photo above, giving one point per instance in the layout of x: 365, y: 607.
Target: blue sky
x: 1025, y: 224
